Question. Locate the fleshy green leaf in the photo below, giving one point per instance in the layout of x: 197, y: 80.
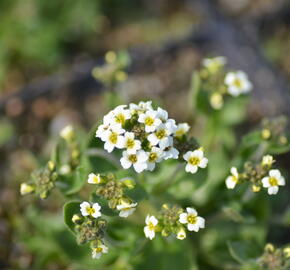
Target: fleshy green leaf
x: 70, y: 209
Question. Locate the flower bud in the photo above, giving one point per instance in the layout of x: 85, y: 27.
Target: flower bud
x: 256, y: 188
x: 267, y: 161
x: 51, y: 165
x: 287, y: 252
x: 269, y: 248
x: 67, y: 133
x: 181, y: 234
x: 26, y: 189
x: 129, y: 183
x: 77, y: 219
x: 266, y: 134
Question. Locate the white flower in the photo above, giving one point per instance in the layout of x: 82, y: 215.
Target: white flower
x: 90, y: 210
x: 113, y: 138
x: 67, y: 133
x: 273, y: 181
x: 162, y: 114
x: 170, y: 151
x: 182, y: 129
x: 102, y: 132
x: 121, y: 114
x: 181, y: 234
x: 138, y: 160
x: 193, y: 221
x: 155, y: 155
x: 94, y: 179
x: 150, y: 120
x: 149, y: 230
x: 238, y: 83
x: 194, y: 160
x: 26, y: 189
x: 267, y: 161
x: 98, y: 251
x: 126, y: 209
x: 161, y: 135
x: 65, y: 169
x: 232, y: 180
x: 145, y: 105
x: 214, y: 64
x: 129, y: 142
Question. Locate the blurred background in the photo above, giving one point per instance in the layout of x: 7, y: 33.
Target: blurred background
x: 48, y: 50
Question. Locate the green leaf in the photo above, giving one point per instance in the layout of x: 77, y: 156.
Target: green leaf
x: 78, y: 181
x: 70, y: 209
x: 278, y: 148
x: 242, y: 252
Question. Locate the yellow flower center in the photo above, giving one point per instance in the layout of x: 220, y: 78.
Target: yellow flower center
x: 191, y: 219
x: 160, y: 134
x: 130, y: 143
x: 238, y: 83
x: 96, y: 179
x: 120, y: 118
x: 133, y: 158
x: 113, y: 138
x: 90, y: 210
x: 98, y: 249
x: 194, y: 161
x: 149, y: 121
x: 179, y: 132
x: 151, y: 226
x: 152, y: 157
x: 273, y: 181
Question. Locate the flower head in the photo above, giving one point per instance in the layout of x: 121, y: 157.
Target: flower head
x: 126, y: 209
x: 194, y: 160
x: 94, y: 179
x: 90, y: 210
x: 181, y: 130
x: 98, y: 251
x: 149, y: 229
x: 138, y: 160
x: 232, y: 180
x: 238, y: 83
x: 273, y: 181
x: 191, y: 218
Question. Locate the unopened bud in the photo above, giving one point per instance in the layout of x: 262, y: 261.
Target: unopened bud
x: 266, y: 134
x: 283, y: 139
x: 256, y: 188
x: 129, y: 183
x: 286, y: 252
x: 165, y: 232
x: 77, y: 219
x: 267, y: 161
x: 110, y: 57
x: 26, y: 189
x: 51, y: 165
x: 181, y: 234
x: 269, y: 248
x: 67, y: 133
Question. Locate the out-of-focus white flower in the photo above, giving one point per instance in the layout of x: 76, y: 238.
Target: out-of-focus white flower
x: 149, y: 229
x: 214, y: 64
x: 138, y: 160
x: 90, y: 210
x: 191, y: 218
x: 233, y: 179
x: 98, y: 251
x: 129, y: 142
x: 181, y: 130
x: 26, y: 189
x: 94, y: 179
x: 150, y: 120
x: 267, y: 161
x: 238, y: 83
x: 65, y: 169
x: 155, y: 155
x: 273, y: 181
x: 126, y: 209
x: 162, y: 114
x: 181, y: 234
x: 194, y: 160
x: 67, y: 133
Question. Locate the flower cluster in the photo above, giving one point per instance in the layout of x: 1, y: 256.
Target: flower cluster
x: 90, y: 227
x: 173, y: 221
x: 260, y: 175
x: 147, y: 136
x: 214, y: 76
x: 113, y: 190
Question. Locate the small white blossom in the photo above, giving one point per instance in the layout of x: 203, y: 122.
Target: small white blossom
x: 155, y: 155
x: 232, y: 180
x: 138, y: 160
x: 90, y: 210
x: 191, y: 218
x: 145, y: 105
x: 150, y: 120
x: 214, y: 64
x: 273, y: 181
x: 129, y: 142
x: 194, y: 160
x: 102, y: 132
x: 238, y: 83
x: 120, y: 114
x: 113, y: 138
x: 181, y: 130
x: 98, y: 251
x: 181, y: 234
x: 162, y: 114
x: 126, y: 209
x: 94, y: 179
x: 149, y: 229
x: 267, y: 161
x: 65, y: 169
x: 170, y: 152
x: 67, y: 133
